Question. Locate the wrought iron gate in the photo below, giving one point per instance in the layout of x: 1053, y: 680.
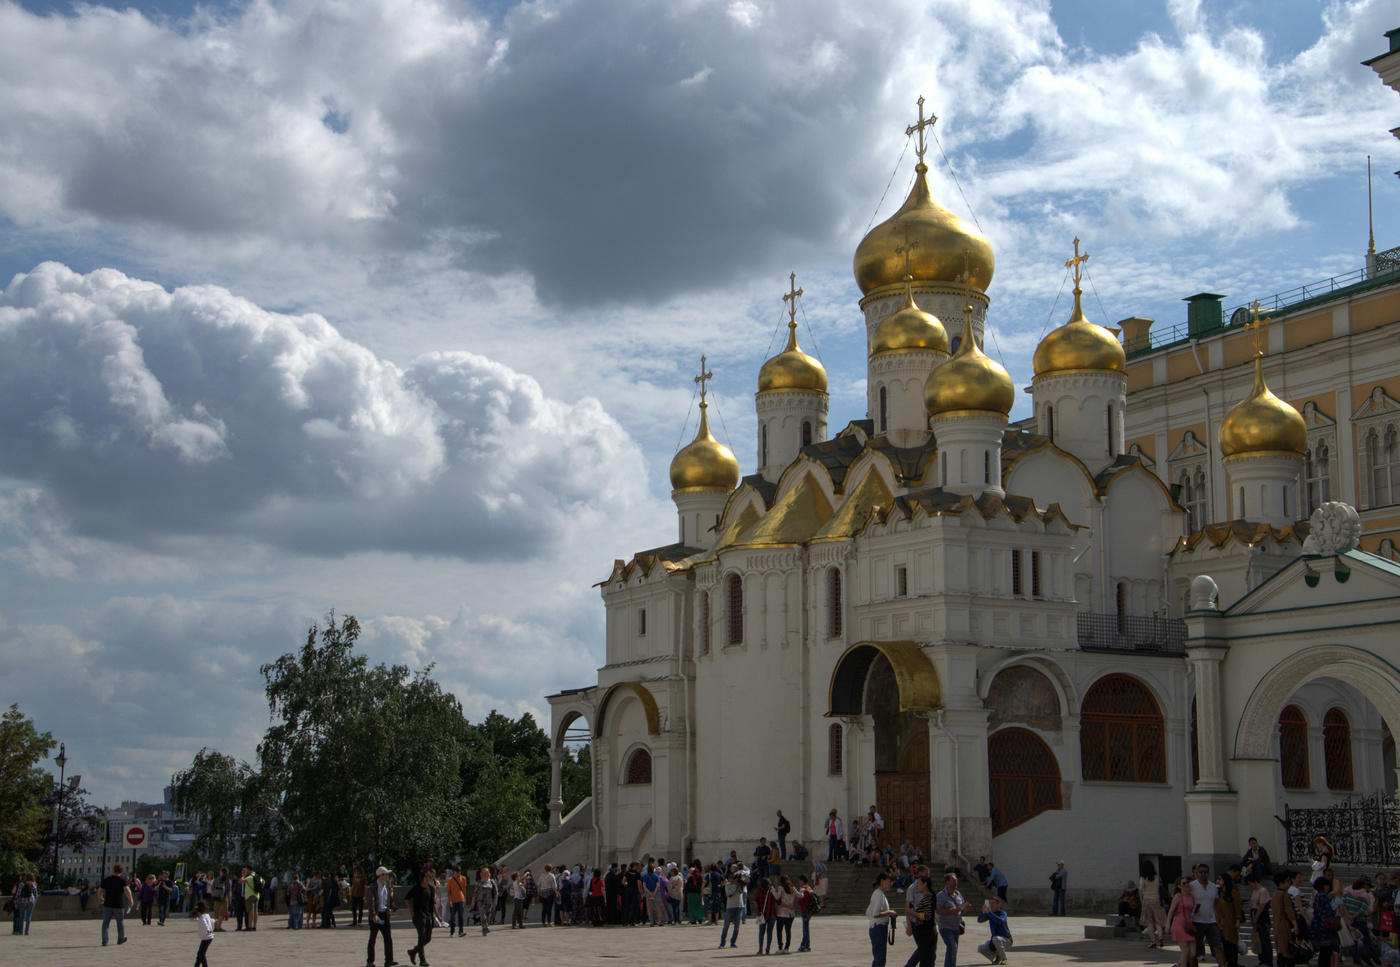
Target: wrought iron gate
x: 1364, y: 832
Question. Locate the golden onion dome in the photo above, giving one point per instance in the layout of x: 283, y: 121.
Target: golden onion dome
x: 940, y: 245
x: 1079, y: 346
x: 971, y: 380
x: 1262, y: 423
x: 704, y: 462
x: 909, y: 329
x: 792, y: 369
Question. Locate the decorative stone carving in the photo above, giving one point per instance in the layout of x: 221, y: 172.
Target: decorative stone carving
x: 1204, y: 593
x: 1336, y: 529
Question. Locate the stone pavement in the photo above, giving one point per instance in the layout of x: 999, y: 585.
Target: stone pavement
x: 836, y: 940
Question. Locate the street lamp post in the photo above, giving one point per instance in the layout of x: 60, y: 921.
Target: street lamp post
x: 60, y: 761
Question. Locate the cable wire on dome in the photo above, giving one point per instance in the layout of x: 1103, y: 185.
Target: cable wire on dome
x: 686, y: 424
x: 1051, y: 314
x: 768, y: 353
x: 907, y: 139
x: 955, y: 180
x: 810, y: 333
x: 727, y: 442
x: 1093, y: 289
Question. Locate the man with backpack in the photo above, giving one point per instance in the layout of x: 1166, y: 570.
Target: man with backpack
x: 252, y: 888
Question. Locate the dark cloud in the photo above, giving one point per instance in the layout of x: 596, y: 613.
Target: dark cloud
x: 145, y: 415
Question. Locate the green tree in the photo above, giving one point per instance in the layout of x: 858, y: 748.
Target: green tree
x: 77, y: 821
x: 220, y: 794
x: 577, y: 776
x: 23, y: 786
x: 502, y: 811
x: 521, y: 742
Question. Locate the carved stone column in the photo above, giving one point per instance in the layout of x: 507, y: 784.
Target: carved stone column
x: 1205, y: 664
x: 556, y: 787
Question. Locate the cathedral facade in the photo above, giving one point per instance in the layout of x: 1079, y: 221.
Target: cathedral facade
x: 1034, y: 641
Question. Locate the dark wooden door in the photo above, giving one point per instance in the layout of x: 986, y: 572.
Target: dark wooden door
x: 903, y: 801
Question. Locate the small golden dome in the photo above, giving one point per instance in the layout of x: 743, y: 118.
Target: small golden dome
x: 971, y: 380
x: 936, y: 240
x: 1262, y: 422
x: 1079, y: 346
x: 792, y: 369
x: 704, y: 462
x: 911, y: 328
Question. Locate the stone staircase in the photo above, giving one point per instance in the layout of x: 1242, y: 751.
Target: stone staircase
x: 848, y: 889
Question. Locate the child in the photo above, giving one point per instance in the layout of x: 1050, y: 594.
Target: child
x: 206, y: 932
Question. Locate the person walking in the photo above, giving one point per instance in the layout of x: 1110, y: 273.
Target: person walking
x: 457, y: 903
x: 1260, y: 928
x: 357, y: 896
x: 147, y: 899
x: 786, y: 898
x: 1204, y: 894
x: 766, y: 909
x: 296, y: 901
x: 1284, y: 916
x: 381, y: 905
x: 25, y: 896
x: 115, y: 894
x: 165, y: 887
x: 250, y: 897
x: 734, y: 886
x: 205, y: 923
x: 782, y: 829
x: 548, y: 887
x: 1059, y: 886
x: 1154, y: 918
x: 422, y: 905
x: 1229, y: 911
x: 806, y: 903
x: 949, y: 906
x: 486, y: 892
x: 834, y: 832
x: 330, y: 899
x: 219, y: 892
x: 517, y: 893
x: 920, y: 921
x: 1327, y: 924
x: 879, y: 918
x: 1183, y: 927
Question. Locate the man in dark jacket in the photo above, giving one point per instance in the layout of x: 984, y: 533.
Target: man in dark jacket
x: 422, y: 904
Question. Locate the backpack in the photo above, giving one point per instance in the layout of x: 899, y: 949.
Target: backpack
x: 804, y: 901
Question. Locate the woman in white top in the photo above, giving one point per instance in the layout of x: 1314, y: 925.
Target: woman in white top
x: 881, y: 919
x: 1154, y: 918
x: 206, y: 933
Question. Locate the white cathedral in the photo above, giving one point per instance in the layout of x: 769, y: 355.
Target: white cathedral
x: 1026, y: 641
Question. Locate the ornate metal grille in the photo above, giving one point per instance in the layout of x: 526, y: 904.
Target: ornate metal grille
x: 1127, y: 632
x: 1293, y: 747
x: 1336, y: 749
x: 736, y: 609
x: 1364, y: 832
x: 833, y: 603
x: 833, y: 749
x: 1023, y: 775
x: 704, y: 622
x: 1120, y: 733
x: 639, y: 768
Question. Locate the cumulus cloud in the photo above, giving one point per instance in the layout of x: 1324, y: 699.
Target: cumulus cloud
x: 145, y: 415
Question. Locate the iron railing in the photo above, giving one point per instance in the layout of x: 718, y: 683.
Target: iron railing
x: 1382, y: 272
x: 1363, y: 832
x: 1122, y: 632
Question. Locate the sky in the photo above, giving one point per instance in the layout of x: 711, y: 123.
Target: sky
x: 392, y: 307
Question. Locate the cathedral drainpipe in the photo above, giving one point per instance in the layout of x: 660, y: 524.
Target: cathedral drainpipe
x: 686, y: 681
x: 957, y: 785
x: 805, y: 723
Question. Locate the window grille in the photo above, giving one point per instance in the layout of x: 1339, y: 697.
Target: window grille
x: 736, y: 610
x: 639, y: 768
x: 901, y: 582
x: 1121, y: 733
x: 1016, y: 572
x: 1336, y: 748
x: 704, y: 622
x: 1035, y: 574
x: 1050, y: 423
x: 884, y: 409
x: 1023, y: 775
x: 763, y: 446
x: 833, y: 749
x: 1293, y: 747
x: 641, y: 622
x: 833, y: 603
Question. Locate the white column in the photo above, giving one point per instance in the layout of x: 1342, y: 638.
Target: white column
x: 556, y: 787
x: 1205, y: 664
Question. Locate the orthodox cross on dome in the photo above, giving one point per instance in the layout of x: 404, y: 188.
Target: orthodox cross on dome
x: 928, y: 122
x: 1075, y: 263
x: 704, y: 377
x: 1257, y: 328
x: 791, y: 298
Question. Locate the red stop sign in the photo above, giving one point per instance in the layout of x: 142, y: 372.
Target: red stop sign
x: 135, y: 836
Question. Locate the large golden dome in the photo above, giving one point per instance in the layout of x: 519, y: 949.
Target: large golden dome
x: 704, y: 463
x: 1079, y: 346
x: 939, y: 240
x: 792, y: 369
x: 1262, y: 423
x: 909, y: 329
x: 971, y: 380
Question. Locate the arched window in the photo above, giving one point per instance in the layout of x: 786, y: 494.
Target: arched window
x: 833, y: 603
x: 1293, y: 747
x: 986, y: 466
x: 1198, y: 500
x: 1050, y: 423
x: 833, y: 749
x: 763, y: 445
x: 639, y: 768
x: 1336, y: 748
x: 1120, y: 733
x: 806, y: 433
x: 884, y: 410
x: 704, y: 622
x: 1383, y: 455
x: 1111, y: 451
x: 1023, y: 775
x: 736, y: 609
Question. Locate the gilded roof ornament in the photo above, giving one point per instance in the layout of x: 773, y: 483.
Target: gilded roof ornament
x: 910, y: 329
x: 704, y: 463
x: 1261, y: 422
x: 971, y: 381
x: 792, y: 369
x: 1079, y: 346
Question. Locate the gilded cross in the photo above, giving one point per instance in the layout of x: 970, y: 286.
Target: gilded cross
x: 1257, y: 326
x: 791, y: 297
x: 907, y: 250
x: 1075, y: 262
x: 923, y: 123
x: 702, y: 379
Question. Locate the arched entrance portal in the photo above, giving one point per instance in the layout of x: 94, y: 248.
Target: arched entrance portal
x: 895, y: 686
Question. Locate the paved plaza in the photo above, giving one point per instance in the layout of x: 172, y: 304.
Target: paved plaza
x: 836, y: 940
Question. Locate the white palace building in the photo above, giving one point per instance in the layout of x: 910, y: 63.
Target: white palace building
x: 1142, y: 624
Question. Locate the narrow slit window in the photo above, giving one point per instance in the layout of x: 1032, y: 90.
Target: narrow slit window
x: 1035, y: 574
x: 901, y: 581
x: 1016, y: 572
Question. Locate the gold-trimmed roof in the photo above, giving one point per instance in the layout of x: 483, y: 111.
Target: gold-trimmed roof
x: 857, y: 509
x: 653, y: 714
x: 796, y: 516
x: 915, y: 677
x: 704, y: 463
x: 745, y: 519
x: 1262, y: 423
x: 939, y: 240
x: 1243, y: 532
